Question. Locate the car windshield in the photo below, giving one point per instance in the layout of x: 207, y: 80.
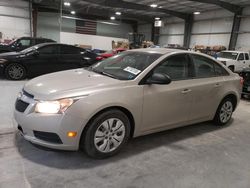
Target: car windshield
x: 228, y: 55
x: 125, y: 66
x: 12, y: 42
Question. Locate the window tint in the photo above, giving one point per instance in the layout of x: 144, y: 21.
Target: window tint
x: 24, y: 42
x: 219, y: 70
x: 246, y: 56
x: 39, y: 41
x: 176, y: 67
x: 241, y: 57
x: 203, y: 66
x: 52, y: 49
x: 69, y: 50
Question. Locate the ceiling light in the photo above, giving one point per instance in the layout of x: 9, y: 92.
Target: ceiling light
x: 197, y: 13
x: 67, y: 4
x: 153, y: 5
x: 118, y: 13
x: 112, y: 18
x: 160, y: 6
x: 73, y: 12
x: 157, y: 18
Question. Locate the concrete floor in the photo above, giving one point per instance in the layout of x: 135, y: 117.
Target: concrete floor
x: 200, y: 155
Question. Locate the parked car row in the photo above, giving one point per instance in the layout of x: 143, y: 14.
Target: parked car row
x: 44, y: 58
x: 22, y: 43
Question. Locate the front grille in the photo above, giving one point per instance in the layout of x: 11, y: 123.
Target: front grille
x: 21, y: 105
x: 48, y: 137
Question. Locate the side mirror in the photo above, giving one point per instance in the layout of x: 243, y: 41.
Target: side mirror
x: 159, y: 78
x: 19, y: 45
x: 35, y: 53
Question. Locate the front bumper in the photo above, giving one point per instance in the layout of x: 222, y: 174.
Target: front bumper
x: 1, y: 69
x: 59, y: 124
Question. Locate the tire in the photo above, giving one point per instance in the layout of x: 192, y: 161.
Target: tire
x: 106, y: 134
x: 15, y: 71
x: 224, y: 112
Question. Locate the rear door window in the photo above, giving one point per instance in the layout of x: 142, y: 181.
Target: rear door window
x: 203, y: 67
x: 52, y: 49
x: 69, y: 50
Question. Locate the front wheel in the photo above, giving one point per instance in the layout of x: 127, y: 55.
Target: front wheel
x: 106, y: 134
x: 224, y: 112
x: 15, y: 71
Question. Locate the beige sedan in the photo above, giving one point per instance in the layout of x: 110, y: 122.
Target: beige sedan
x: 134, y: 93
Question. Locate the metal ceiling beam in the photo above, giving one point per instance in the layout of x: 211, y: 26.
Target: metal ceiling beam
x: 135, y: 6
x: 188, y: 31
x: 107, y: 14
x: 228, y: 6
x: 235, y: 30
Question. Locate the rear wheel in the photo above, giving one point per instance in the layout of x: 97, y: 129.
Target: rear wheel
x: 15, y: 71
x: 224, y: 112
x: 106, y: 134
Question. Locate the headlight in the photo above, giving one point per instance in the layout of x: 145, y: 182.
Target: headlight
x: 53, y: 107
x: 2, y: 61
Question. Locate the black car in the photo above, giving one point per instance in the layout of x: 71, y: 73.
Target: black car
x: 44, y: 58
x: 245, y: 74
x: 22, y: 43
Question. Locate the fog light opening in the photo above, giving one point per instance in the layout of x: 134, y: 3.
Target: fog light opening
x: 71, y: 134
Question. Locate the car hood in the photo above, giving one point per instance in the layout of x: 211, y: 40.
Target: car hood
x: 71, y: 83
x: 223, y: 59
x: 8, y: 55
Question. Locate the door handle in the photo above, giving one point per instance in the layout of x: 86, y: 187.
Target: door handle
x: 217, y: 85
x: 185, y: 91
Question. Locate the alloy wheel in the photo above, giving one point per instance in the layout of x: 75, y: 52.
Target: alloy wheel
x: 16, y: 72
x: 109, y: 135
x: 226, y: 111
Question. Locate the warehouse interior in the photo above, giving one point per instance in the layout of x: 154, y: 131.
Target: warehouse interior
x: 197, y: 155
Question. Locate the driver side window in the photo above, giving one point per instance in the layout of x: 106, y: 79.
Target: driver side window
x: 241, y: 57
x: 176, y: 67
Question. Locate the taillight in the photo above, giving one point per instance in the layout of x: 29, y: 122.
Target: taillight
x: 99, y: 58
x: 241, y: 81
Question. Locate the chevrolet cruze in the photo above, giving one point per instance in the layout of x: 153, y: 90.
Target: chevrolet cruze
x: 131, y: 94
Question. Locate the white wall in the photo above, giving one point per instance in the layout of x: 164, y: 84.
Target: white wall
x: 120, y: 30
x: 212, y: 32
x: 48, y: 25
x: 145, y: 29
x: 98, y: 42
x: 14, y: 19
x: 172, y: 33
x: 209, y: 28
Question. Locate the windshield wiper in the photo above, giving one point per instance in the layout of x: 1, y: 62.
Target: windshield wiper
x: 103, y: 73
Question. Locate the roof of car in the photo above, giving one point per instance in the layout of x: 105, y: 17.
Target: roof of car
x: 231, y: 51
x: 53, y: 43
x: 159, y: 50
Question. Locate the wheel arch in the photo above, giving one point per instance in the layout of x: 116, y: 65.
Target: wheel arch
x: 233, y: 97
x: 123, y: 109
x: 13, y: 62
